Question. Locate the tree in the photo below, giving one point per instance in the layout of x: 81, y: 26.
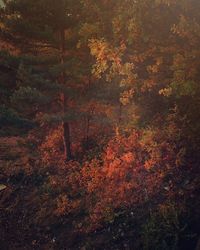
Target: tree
x: 46, y: 28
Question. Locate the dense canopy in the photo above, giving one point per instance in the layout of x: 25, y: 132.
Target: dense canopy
x: 99, y: 124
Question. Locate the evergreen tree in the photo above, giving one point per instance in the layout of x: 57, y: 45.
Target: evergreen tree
x: 48, y: 29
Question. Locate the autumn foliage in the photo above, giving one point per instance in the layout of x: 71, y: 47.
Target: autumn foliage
x: 99, y: 124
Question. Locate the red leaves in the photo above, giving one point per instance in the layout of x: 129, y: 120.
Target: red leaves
x: 130, y: 171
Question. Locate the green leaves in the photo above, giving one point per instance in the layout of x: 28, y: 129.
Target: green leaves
x: 30, y: 95
x: 187, y: 88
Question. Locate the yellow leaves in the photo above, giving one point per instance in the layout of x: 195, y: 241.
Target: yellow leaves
x: 127, y: 71
x: 187, y: 28
x: 155, y: 67
x: 105, y: 55
x: 126, y: 96
x: 148, y: 85
x: 134, y: 30
x: 166, y: 92
x: 152, y: 68
x: 99, y: 49
x: 108, y: 60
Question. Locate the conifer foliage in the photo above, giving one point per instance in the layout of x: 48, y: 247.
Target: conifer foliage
x: 99, y: 124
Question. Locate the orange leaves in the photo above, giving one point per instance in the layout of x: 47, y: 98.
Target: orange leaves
x: 110, y: 154
x: 148, y: 85
x: 126, y: 96
x: 149, y: 164
x: 155, y: 67
x: 65, y: 205
x: 105, y: 54
x: 112, y: 181
x: 128, y: 157
x: 131, y: 171
x: 50, y: 149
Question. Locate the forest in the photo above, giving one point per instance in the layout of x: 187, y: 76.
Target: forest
x: 100, y: 124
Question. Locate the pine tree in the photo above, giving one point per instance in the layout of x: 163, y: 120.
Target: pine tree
x: 45, y: 28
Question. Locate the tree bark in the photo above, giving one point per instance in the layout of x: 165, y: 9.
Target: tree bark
x: 118, y: 125
x: 65, y: 124
x: 87, y: 131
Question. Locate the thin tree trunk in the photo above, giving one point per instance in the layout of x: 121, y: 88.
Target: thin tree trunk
x: 117, y: 129
x: 65, y: 124
x: 87, y: 129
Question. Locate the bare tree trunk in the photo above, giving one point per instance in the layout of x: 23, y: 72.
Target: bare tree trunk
x: 65, y: 124
x: 117, y: 129
x: 88, y: 128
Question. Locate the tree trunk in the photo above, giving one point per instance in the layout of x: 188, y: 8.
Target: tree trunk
x: 65, y: 124
x: 118, y: 125
x: 66, y: 141
x: 87, y: 128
